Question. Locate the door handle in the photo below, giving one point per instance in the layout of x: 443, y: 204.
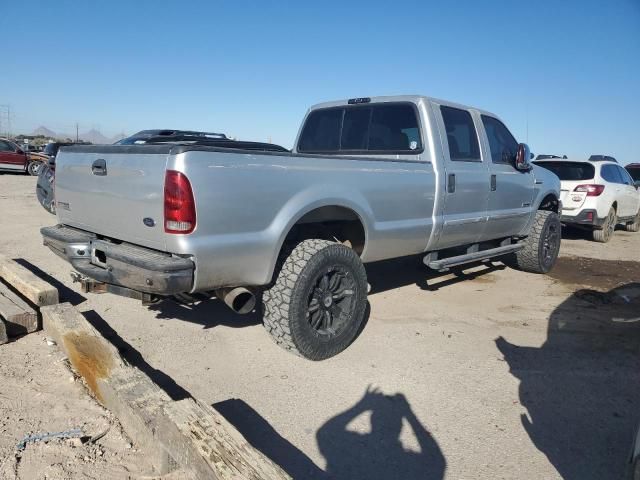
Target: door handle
x: 493, y: 183
x: 99, y: 167
x: 451, y: 183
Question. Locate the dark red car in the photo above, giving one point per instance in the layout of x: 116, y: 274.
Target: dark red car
x: 15, y: 159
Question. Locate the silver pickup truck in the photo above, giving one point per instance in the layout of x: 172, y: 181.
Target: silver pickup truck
x: 368, y: 179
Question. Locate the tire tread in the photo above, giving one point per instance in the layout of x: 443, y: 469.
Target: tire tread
x: 528, y: 259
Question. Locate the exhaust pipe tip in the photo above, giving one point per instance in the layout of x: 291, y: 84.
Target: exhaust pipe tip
x: 239, y: 299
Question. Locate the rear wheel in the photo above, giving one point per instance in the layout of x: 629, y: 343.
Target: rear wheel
x: 608, y: 227
x: 633, y: 226
x: 33, y: 168
x: 542, y: 246
x: 317, y: 304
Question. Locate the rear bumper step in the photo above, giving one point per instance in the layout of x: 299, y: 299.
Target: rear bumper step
x: 126, y: 265
x: 583, y: 217
x: 445, y: 263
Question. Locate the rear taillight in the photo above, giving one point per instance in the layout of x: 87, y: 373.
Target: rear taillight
x: 591, y: 190
x: 179, y: 205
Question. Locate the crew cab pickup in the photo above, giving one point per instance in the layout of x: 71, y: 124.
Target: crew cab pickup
x: 368, y: 179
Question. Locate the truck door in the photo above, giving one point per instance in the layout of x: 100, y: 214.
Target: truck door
x: 466, y: 178
x: 510, y: 190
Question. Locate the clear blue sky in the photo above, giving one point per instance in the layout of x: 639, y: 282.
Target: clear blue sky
x: 251, y: 69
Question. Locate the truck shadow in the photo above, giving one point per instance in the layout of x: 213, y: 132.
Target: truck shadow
x: 208, y: 312
x: 212, y: 313
x: 396, y: 273
x: 377, y: 454
x: 582, y: 386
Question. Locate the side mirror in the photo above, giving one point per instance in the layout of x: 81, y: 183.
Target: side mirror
x: 523, y: 158
x: 19, y: 151
x: 637, y: 183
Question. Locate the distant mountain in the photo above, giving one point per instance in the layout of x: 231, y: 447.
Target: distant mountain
x: 44, y: 131
x: 93, y: 135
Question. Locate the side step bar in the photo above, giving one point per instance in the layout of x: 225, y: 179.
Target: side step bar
x: 446, y: 263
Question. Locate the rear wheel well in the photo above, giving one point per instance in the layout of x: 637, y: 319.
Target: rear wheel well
x: 333, y: 223
x: 550, y: 203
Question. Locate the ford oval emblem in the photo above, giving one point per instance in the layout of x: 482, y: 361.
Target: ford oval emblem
x: 149, y: 222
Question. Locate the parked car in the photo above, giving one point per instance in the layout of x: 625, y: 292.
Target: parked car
x: 369, y: 179
x: 169, y: 135
x: 46, y: 176
x: 547, y: 157
x: 597, y: 194
x: 13, y: 158
x: 634, y: 171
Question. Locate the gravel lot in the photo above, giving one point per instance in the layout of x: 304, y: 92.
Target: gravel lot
x: 488, y: 373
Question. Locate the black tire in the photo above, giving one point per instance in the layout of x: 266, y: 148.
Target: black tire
x: 542, y: 246
x: 635, y: 225
x: 604, y: 234
x: 302, y: 311
x: 33, y: 168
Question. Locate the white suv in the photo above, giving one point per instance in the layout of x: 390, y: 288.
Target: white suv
x: 597, y: 194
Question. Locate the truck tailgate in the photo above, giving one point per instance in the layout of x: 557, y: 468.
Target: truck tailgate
x: 124, y: 200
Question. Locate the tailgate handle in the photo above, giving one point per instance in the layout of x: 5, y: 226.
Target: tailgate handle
x: 99, y: 167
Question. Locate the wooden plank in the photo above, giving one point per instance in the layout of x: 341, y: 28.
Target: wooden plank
x: 3, y: 333
x: 224, y: 449
x: 34, y: 289
x: 19, y: 317
x: 185, y: 433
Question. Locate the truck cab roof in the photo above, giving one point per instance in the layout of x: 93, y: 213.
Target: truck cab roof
x: 416, y: 99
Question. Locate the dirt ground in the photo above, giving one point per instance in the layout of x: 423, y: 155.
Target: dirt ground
x: 484, y: 373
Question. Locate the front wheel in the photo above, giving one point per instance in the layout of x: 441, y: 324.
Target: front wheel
x: 317, y: 303
x: 33, y: 168
x: 635, y: 225
x: 542, y: 246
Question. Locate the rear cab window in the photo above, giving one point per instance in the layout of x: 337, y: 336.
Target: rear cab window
x: 383, y: 128
x: 462, y: 136
x: 569, y: 171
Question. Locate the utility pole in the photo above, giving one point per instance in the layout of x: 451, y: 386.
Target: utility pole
x: 5, y: 117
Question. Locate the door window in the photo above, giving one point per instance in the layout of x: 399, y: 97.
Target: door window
x: 610, y: 174
x: 461, y: 135
x: 502, y: 145
x: 626, y: 178
x: 6, y: 147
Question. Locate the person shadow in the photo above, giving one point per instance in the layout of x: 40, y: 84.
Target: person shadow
x: 379, y: 454
x: 581, y: 388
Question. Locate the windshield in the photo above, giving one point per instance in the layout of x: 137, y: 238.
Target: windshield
x: 569, y: 170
